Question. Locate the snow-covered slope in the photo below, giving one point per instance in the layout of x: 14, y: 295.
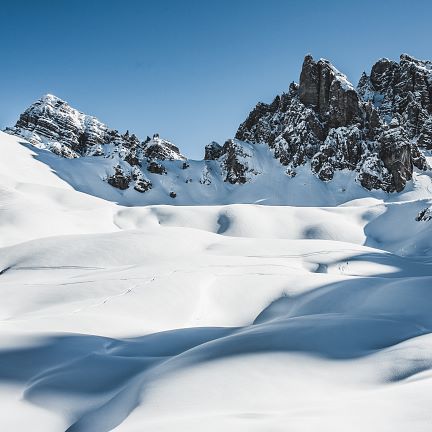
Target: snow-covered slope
x: 310, y: 312
x: 239, y: 317
x: 201, y: 182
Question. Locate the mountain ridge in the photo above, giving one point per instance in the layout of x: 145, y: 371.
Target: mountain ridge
x: 381, y: 131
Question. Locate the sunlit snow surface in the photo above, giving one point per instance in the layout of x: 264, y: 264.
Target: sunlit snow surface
x: 238, y: 317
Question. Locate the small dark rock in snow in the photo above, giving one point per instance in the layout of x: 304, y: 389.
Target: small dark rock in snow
x: 156, y: 168
x: 119, y: 179
x: 425, y: 215
x: 142, y: 185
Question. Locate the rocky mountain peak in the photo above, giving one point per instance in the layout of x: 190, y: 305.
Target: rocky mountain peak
x: 329, y: 93
x: 51, y: 123
x: 328, y: 123
x: 51, y: 99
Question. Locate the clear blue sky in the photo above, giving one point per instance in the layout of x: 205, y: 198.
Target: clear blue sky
x: 190, y: 70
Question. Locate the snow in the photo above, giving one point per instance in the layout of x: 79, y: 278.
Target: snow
x: 340, y: 77
x: 202, y: 182
x: 311, y: 312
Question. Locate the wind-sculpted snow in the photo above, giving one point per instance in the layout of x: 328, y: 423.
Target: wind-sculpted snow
x: 237, y: 317
x: 370, y: 310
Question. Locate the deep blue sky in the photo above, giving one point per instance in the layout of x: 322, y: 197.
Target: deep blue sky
x: 190, y: 70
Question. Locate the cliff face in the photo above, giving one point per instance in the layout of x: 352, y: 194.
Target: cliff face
x: 378, y: 130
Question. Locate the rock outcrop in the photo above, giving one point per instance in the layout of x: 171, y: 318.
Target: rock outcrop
x: 213, y: 151
x: 119, y: 179
x: 326, y: 90
x: 236, y: 162
x: 424, y: 215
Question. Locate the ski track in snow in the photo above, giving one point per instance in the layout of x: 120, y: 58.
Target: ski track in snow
x: 224, y: 317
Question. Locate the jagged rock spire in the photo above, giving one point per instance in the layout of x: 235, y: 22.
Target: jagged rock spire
x: 328, y: 91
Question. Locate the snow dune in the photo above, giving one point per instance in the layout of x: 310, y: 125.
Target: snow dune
x: 233, y: 317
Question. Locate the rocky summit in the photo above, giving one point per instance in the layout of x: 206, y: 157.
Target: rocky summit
x: 380, y: 131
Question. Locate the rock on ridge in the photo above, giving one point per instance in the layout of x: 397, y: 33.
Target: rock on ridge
x: 329, y: 93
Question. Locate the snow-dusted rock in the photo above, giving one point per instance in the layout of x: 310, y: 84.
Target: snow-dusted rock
x: 425, y: 215
x: 213, y: 151
x: 396, y: 153
x: 403, y: 89
x: 51, y: 123
x: 235, y: 161
x: 158, y: 148
x: 328, y: 123
x: 119, y: 179
x: 329, y: 93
